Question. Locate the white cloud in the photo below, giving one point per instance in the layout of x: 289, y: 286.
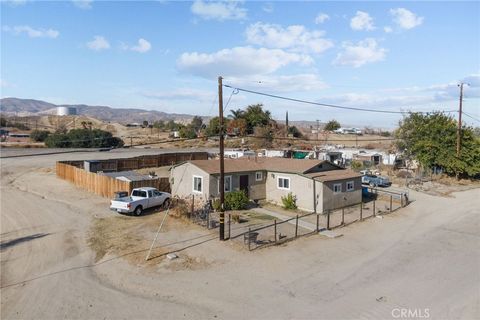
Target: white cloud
x: 405, y: 19
x: 221, y: 10
x: 362, y: 21
x: 98, y: 43
x: 238, y: 61
x: 363, y: 52
x: 142, y: 46
x: 268, y: 7
x: 3, y: 83
x: 83, y: 4
x: 295, y: 37
x: 321, y: 18
x: 387, y: 29
x: 281, y: 83
x: 31, y: 32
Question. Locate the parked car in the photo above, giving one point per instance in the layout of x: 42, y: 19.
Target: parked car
x: 375, y: 181
x: 139, y: 200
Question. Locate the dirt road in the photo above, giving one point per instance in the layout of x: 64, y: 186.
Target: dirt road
x: 425, y: 256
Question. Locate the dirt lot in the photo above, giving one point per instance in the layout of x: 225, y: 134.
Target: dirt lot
x: 54, y: 264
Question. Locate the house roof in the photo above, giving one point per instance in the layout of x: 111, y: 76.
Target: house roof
x: 128, y: 175
x: 298, y: 166
x: 333, y: 175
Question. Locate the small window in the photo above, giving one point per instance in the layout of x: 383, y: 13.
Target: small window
x: 150, y: 193
x: 283, y: 183
x: 337, y: 188
x: 350, y: 186
x: 259, y: 176
x: 227, y: 185
x: 197, y: 184
x: 139, y: 193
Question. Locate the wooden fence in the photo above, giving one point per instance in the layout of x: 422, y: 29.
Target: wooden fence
x: 102, y: 185
x: 140, y: 162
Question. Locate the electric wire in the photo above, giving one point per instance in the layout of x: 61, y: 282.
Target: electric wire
x: 328, y: 105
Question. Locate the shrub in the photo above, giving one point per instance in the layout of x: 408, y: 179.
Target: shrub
x: 357, y: 165
x: 216, y: 204
x: 39, y: 135
x: 332, y: 125
x: 236, y: 200
x: 289, y: 202
x: 236, y: 218
x: 83, y: 138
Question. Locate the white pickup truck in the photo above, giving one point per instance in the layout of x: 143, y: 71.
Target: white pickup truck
x: 141, y: 199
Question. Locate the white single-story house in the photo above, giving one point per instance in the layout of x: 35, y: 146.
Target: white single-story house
x: 318, y: 185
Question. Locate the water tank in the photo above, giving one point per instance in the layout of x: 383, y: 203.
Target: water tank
x: 66, y: 111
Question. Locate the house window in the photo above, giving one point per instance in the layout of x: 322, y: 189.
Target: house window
x: 197, y: 184
x: 283, y: 183
x: 337, y: 188
x: 227, y: 184
x: 259, y: 176
x: 350, y: 186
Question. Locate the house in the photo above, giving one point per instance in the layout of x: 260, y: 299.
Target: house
x: 235, y: 154
x: 318, y: 185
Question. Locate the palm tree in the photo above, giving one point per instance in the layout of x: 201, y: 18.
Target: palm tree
x: 237, y: 114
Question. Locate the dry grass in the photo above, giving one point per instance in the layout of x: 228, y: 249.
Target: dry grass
x: 124, y: 236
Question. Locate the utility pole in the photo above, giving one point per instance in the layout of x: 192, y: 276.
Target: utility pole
x: 459, y: 130
x: 222, y: 164
x: 318, y: 128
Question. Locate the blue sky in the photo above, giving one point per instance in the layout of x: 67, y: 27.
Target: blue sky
x: 166, y: 55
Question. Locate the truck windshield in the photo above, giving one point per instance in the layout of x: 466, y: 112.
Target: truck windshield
x: 139, y: 193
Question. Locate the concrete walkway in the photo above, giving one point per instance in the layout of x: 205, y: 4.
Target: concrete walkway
x: 303, y: 224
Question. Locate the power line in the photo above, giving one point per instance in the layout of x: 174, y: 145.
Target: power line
x: 470, y: 116
x: 326, y: 104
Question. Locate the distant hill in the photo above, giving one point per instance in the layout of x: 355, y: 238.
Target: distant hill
x: 30, y: 107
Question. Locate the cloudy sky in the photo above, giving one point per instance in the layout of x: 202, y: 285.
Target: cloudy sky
x: 167, y: 55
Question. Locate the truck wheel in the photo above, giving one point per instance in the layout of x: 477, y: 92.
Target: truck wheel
x: 166, y: 203
x: 138, y: 210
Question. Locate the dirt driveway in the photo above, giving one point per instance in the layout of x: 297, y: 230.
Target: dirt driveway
x: 425, y: 256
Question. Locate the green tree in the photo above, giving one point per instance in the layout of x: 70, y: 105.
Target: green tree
x: 237, y: 114
x: 294, y: 132
x: 39, y: 135
x: 197, y: 123
x: 213, y: 128
x: 188, y: 132
x: 431, y: 139
x: 83, y: 138
x: 332, y: 125
x: 256, y: 117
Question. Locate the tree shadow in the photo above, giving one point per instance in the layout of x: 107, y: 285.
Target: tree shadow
x: 10, y: 243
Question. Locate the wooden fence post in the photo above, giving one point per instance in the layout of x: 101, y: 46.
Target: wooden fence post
x: 374, y: 208
x: 296, y: 226
x: 229, y: 226
x: 343, y: 216
x: 249, y: 237
x: 318, y: 222
x: 401, y: 200
x: 328, y: 219
x: 275, y: 230
x: 391, y: 199
x: 361, y: 211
